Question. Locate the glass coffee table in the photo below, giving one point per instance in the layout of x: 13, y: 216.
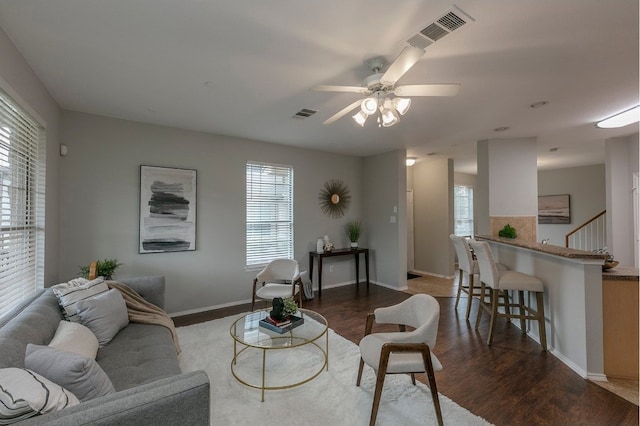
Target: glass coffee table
x: 249, y: 337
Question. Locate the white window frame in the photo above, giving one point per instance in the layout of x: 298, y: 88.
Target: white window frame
x: 468, y: 231
x: 22, y: 203
x: 269, y: 213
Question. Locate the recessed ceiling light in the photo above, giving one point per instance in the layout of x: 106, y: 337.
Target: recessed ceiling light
x: 501, y: 129
x: 553, y: 149
x: 538, y: 104
x: 210, y: 84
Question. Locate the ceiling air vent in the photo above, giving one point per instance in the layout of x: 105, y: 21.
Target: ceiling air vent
x: 304, y: 113
x: 450, y: 21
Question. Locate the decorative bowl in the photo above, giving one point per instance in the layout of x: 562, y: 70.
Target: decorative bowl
x: 609, y: 264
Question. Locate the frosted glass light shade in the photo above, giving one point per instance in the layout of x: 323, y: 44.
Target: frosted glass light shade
x: 402, y: 105
x: 389, y: 117
x: 360, y: 118
x: 369, y: 105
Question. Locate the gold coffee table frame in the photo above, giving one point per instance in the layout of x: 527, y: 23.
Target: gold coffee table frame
x: 246, y: 332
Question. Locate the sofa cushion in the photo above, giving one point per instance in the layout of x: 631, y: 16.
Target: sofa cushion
x: 77, y: 373
x: 69, y: 294
x: 24, y: 394
x: 75, y: 337
x: 139, y: 354
x: 36, y: 323
x: 105, y: 315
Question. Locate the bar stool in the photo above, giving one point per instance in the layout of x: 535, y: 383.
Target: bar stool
x: 497, y: 281
x: 466, y: 263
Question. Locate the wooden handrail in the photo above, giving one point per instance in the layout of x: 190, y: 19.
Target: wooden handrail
x: 596, y: 217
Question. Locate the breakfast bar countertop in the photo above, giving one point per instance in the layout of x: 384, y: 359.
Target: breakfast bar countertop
x: 619, y: 273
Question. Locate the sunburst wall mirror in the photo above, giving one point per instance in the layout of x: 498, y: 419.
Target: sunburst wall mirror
x: 334, y: 198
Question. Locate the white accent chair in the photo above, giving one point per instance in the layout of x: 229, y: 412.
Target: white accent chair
x: 403, y: 351
x: 495, y: 280
x: 280, y: 278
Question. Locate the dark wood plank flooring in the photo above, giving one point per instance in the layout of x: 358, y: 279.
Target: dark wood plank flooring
x: 510, y: 383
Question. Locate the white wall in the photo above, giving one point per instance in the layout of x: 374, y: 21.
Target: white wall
x: 587, y: 197
x: 99, y: 197
x: 22, y: 84
x: 385, y: 221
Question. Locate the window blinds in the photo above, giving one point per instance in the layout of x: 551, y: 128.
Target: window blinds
x: 463, y: 207
x: 269, y: 213
x: 22, y: 168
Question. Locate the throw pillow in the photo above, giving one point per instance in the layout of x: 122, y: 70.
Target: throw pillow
x: 69, y: 294
x: 24, y: 394
x: 79, y: 374
x: 105, y: 315
x: 75, y: 337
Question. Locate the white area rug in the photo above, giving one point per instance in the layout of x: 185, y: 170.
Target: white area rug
x: 331, y: 399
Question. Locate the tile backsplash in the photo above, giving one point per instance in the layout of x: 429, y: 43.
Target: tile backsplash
x: 525, y: 226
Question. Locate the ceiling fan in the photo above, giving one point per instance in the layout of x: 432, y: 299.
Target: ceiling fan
x: 382, y: 96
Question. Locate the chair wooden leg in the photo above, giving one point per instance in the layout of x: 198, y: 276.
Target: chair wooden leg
x: 494, y: 313
x: 481, y: 306
x: 459, y: 288
x: 431, y: 377
x: 470, y: 299
x: 542, y: 328
x: 413, y: 379
x: 523, y: 312
x: 382, y: 372
x: 360, y: 371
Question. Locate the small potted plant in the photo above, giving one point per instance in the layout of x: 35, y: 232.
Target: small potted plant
x: 353, y: 231
x: 283, y: 308
x: 104, y: 268
x: 508, y: 232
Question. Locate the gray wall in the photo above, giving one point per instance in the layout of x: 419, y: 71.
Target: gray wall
x: 99, y: 197
x: 587, y: 197
x: 433, y: 217
x: 385, y: 223
x: 21, y: 83
x: 621, y: 164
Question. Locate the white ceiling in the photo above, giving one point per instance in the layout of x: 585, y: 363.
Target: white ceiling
x: 148, y: 60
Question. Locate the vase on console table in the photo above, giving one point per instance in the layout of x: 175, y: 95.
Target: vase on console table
x: 354, y: 244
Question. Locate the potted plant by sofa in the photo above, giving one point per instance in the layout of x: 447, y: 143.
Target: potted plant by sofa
x: 105, y: 268
x: 353, y: 228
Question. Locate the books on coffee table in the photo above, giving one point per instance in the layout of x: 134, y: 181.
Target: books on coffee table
x: 281, y: 327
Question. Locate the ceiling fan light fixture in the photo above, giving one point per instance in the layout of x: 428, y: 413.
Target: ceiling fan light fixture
x: 360, y: 118
x: 369, y: 105
x: 401, y: 105
x: 389, y: 117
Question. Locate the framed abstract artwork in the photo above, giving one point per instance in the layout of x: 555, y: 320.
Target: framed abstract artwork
x: 167, y: 209
x: 554, y: 209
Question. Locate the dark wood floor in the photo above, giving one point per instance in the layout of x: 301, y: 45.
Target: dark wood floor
x: 510, y: 383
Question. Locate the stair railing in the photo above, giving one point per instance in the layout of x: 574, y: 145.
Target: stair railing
x: 590, y: 236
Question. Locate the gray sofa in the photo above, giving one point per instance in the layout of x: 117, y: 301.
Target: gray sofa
x: 141, y: 362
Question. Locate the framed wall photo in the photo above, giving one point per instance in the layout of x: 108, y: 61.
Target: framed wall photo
x: 554, y: 209
x: 167, y: 209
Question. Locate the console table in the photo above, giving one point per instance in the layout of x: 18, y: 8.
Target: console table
x: 355, y: 252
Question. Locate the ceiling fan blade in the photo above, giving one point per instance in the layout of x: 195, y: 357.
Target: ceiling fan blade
x: 342, y: 112
x: 349, y: 89
x: 407, y: 58
x: 427, y: 90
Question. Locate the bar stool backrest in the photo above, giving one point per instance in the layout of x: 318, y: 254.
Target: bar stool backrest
x: 487, y: 264
x: 465, y: 259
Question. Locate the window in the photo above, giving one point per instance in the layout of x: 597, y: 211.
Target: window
x: 463, y: 208
x: 21, y: 204
x: 269, y: 213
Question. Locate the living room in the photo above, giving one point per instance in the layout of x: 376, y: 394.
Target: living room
x: 93, y: 191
